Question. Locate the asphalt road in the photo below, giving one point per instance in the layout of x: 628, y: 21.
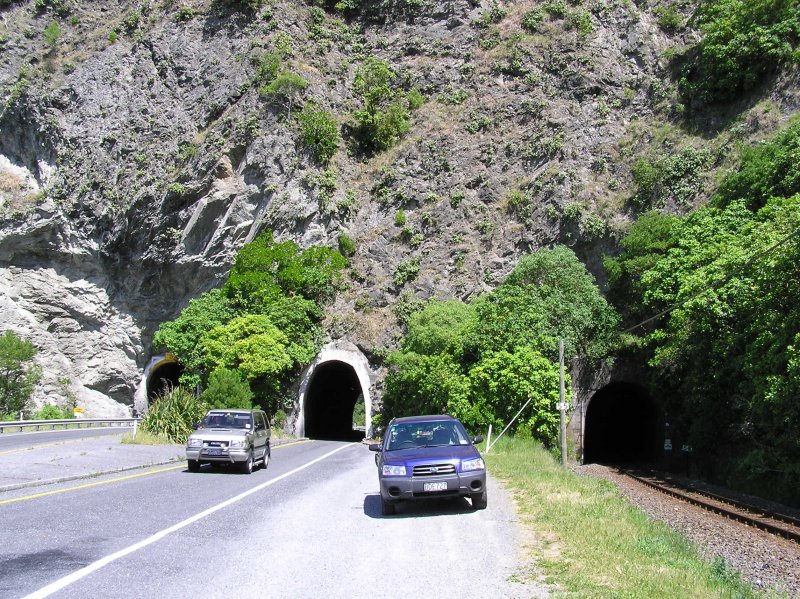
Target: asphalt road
x: 9, y: 441
x: 308, y: 526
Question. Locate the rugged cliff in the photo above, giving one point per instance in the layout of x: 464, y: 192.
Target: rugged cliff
x: 137, y: 154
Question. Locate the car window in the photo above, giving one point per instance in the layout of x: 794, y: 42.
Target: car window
x: 260, y: 425
x: 425, y: 434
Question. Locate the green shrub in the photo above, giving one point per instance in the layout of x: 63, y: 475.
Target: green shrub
x: 52, y: 412
x: 347, y: 246
x: 52, y: 34
x: 320, y: 132
x: 532, y: 20
x: 173, y: 414
x: 383, y: 117
x: 18, y: 374
x: 227, y: 390
x: 400, y: 218
x: 406, y: 271
x: 743, y: 42
x: 767, y: 170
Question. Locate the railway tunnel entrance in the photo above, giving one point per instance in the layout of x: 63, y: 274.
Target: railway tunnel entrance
x: 334, y: 397
x: 621, y: 426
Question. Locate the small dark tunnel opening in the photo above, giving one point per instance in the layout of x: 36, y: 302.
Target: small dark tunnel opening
x: 621, y: 426
x: 330, y: 399
x: 162, y: 379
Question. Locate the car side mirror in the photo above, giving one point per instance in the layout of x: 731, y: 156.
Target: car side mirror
x: 196, y: 425
x: 374, y: 446
x: 477, y: 440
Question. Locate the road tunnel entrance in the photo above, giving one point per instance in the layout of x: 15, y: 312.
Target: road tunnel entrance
x: 621, y: 426
x: 162, y: 378
x: 330, y: 401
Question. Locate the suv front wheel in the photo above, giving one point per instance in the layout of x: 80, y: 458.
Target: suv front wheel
x: 387, y: 508
x: 247, y: 466
x: 479, y: 500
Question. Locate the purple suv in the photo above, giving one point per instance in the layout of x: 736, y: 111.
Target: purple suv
x: 429, y: 456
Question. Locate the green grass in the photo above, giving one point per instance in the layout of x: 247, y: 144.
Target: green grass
x: 589, y: 542
x: 145, y: 438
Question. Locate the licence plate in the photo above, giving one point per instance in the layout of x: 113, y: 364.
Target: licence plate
x: 434, y: 486
x: 214, y: 451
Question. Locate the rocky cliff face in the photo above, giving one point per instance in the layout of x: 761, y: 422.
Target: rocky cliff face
x: 137, y: 155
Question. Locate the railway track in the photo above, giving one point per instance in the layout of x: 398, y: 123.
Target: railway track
x: 778, y: 524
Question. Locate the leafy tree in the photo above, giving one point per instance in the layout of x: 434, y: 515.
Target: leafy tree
x: 549, y: 295
x: 726, y: 352
x: 182, y: 335
x: 319, y: 131
x: 743, y: 42
x: 427, y: 384
x: 482, y: 361
x: 251, y: 344
x: 644, y: 244
x: 504, y: 382
x: 226, y: 389
x: 265, y: 268
x: 770, y: 169
x: 440, y: 328
x: 18, y: 375
x: 286, y: 88
x: 384, y: 116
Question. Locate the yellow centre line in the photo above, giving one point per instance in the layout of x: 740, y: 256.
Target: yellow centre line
x: 115, y: 480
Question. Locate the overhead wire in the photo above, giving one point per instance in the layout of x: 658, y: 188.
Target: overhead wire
x: 746, y: 266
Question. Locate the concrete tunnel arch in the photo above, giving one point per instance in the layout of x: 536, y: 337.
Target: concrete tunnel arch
x: 329, y: 389
x: 160, y: 373
x: 621, y: 426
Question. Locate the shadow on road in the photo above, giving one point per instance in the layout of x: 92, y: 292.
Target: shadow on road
x: 419, y: 509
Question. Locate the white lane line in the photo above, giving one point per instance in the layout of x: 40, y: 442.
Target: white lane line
x: 86, y: 570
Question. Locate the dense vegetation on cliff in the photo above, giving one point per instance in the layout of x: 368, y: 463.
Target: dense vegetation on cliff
x: 441, y: 146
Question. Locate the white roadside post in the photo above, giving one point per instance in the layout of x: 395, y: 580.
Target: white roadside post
x: 488, y: 439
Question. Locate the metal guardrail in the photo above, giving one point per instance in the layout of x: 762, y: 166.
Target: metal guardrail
x: 68, y: 423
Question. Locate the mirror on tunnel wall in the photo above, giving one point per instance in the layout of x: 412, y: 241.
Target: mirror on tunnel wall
x: 330, y: 403
x: 621, y: 426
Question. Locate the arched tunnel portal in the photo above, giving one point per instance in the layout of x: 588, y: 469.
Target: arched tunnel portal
x: 621, y: 426
x: 161, y: 376
x: 334, y: 397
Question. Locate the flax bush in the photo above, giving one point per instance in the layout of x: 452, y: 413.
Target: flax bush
x: 173, y: 414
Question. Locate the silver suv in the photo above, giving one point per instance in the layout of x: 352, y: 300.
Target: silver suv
x: 230, y: 437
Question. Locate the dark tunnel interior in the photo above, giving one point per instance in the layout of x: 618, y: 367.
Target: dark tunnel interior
x: 621, y: 426
x: 162, y: 379
x: 330, y: 399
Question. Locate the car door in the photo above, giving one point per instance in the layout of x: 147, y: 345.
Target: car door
x: 259, y: 435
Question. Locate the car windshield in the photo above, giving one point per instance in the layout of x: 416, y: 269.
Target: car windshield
x: 425, y: 434
x: 226, y: 420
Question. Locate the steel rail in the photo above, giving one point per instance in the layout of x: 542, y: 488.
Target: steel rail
x: 739, y: 511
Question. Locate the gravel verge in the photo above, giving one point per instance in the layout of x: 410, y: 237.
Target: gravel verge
x: 769, y: 563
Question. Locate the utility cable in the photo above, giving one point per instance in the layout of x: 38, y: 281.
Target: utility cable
x: 718, y: 283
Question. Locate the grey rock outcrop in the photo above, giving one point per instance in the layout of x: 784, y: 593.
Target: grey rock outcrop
x: 137, y: 156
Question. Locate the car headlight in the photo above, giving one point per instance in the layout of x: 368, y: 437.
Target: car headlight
x: 473, y: 464
x: 390, y: 470
x: 238, y: 443
x: 195, y: 442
